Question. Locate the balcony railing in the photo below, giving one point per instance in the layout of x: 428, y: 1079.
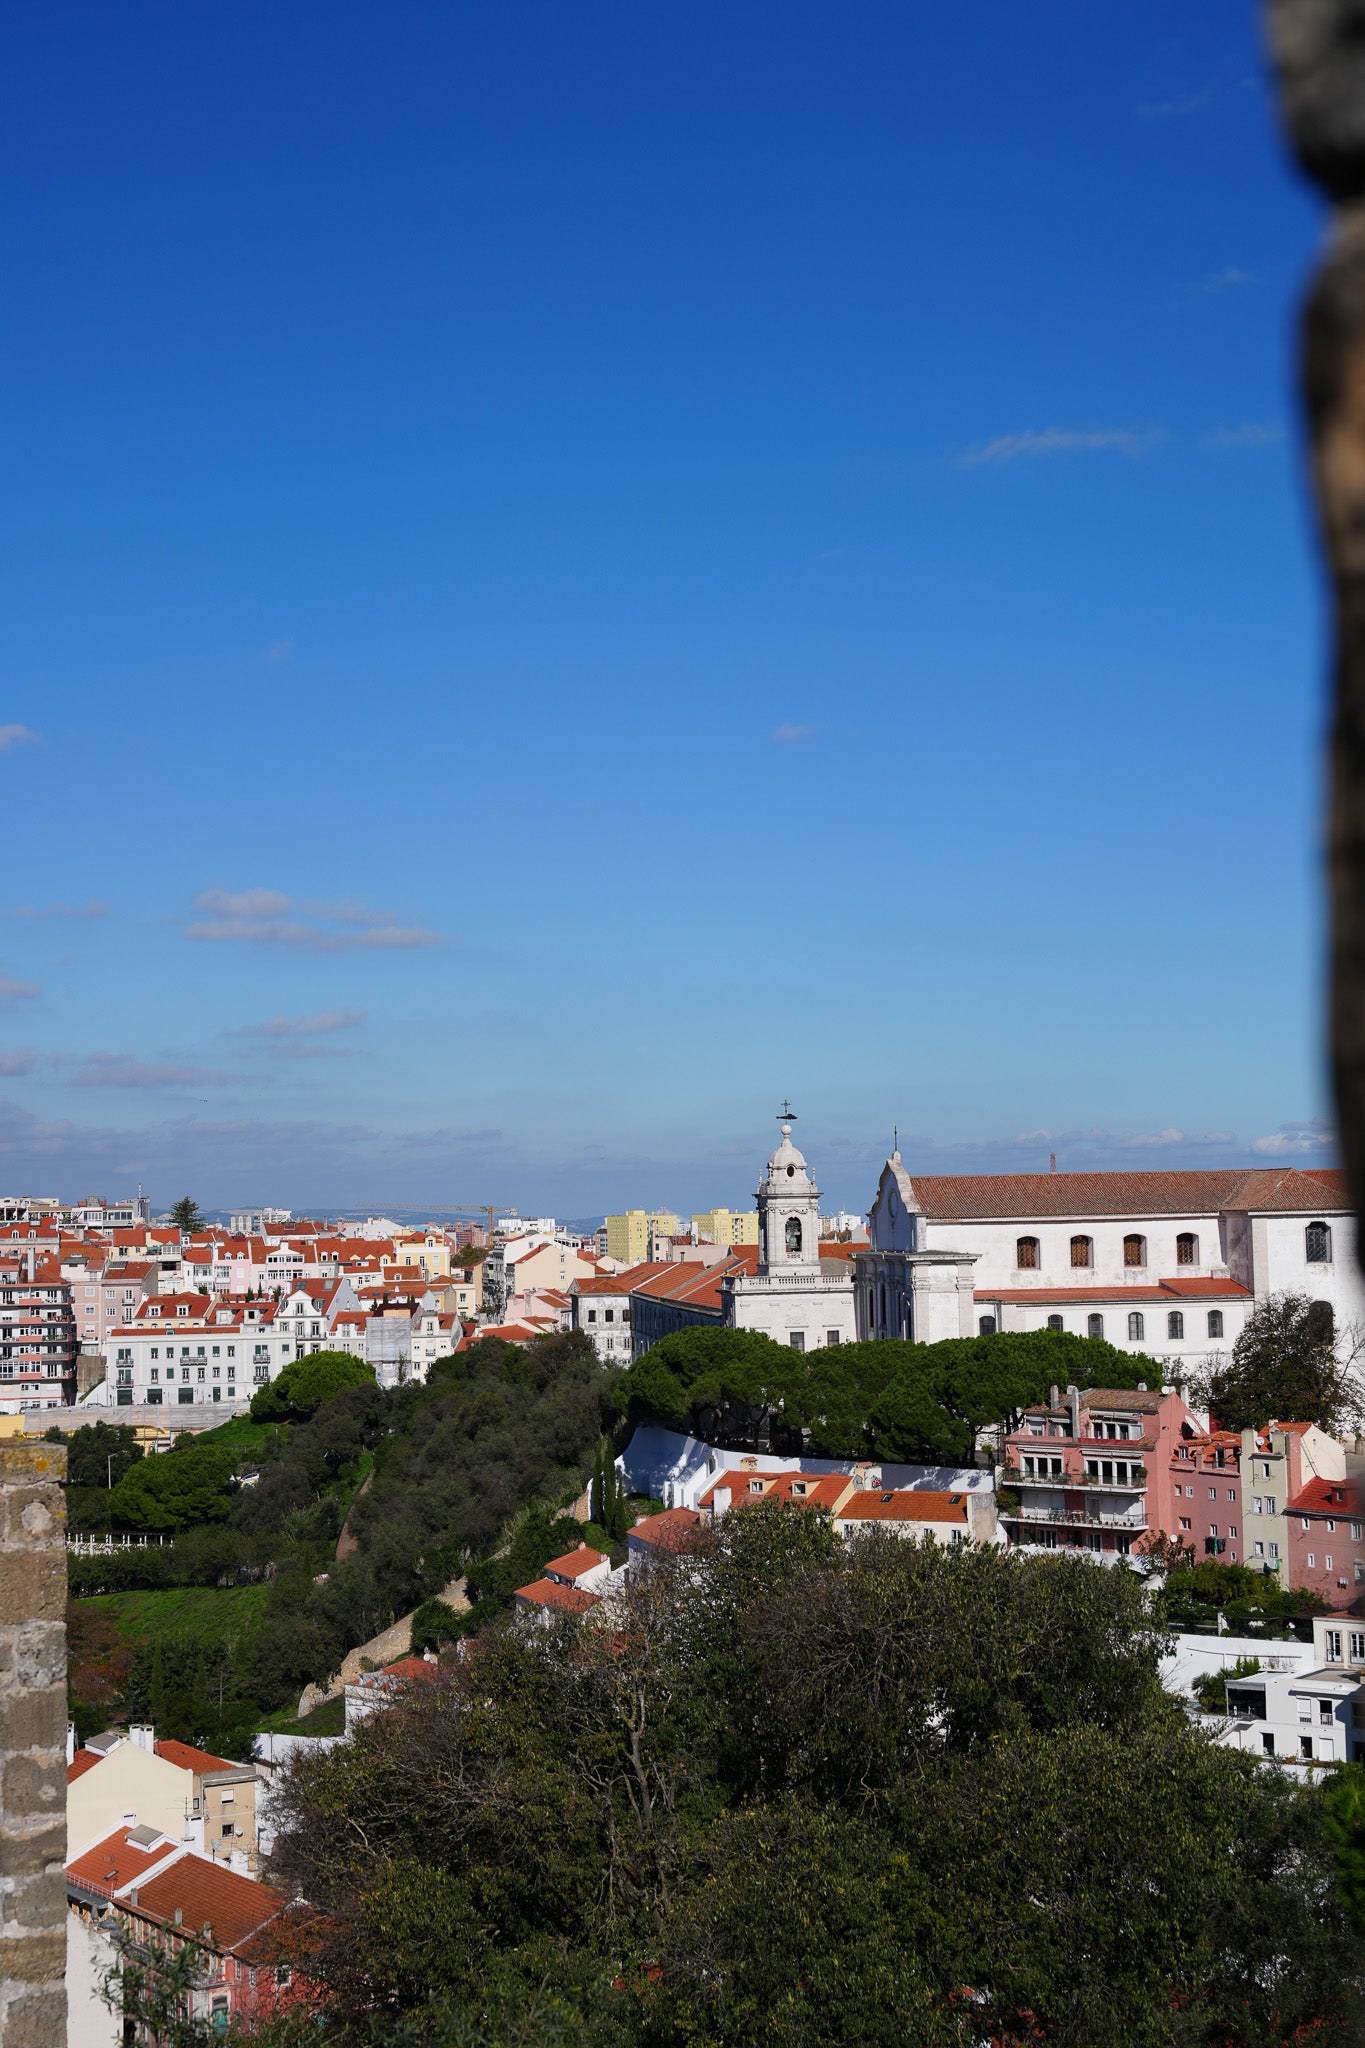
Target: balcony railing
x: 1136, y: 1480
x: 1083, y: 1518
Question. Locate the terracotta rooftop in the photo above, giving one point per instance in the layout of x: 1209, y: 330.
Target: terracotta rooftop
x: 549, y: 1593
x: 1115, y: 1294
x: 233, y: 1907
x: 959, y: 1197
x: 575, y: 1562
x: 188, y: 1758
x: 116, y: 1861
x: 668, y: 1531
x: 902, y: 1506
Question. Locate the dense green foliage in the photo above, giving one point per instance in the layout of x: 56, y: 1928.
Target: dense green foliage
x: 801, y: 1792
x: 608, y: 1500
x: 186, y: 1214
x: 300, y: 1389
x: 1286, y: 1366
x: 99, y: 1454
x: 257, y: 1509
x: 914, y: 1403
x: 1250, y: 1601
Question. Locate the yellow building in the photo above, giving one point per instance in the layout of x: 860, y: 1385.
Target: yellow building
x: 628, y: 1235
x: 728, y: 1226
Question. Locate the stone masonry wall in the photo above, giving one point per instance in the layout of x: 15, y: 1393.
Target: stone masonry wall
x: 32, y: 1745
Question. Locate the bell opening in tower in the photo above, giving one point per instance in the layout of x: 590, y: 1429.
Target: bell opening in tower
x: 793, y: 1233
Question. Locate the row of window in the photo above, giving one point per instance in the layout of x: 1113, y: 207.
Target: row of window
x: 1137, y: 1325
x: 1317, y: 1249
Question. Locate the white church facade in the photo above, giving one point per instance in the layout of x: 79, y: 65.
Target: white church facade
x: 1167, y: 1263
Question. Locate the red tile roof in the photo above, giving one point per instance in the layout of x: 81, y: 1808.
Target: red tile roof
x: 114, y: 1862
x: 1115, y: 1294
x: 959, y: 1197
x: 1326, y: 1497
x: 549, y: 1593
x: 668, y: 1531
x: 900, y: 1505
x: 187, y: 1758
x: 83, y: 1761
x: 208, y: 1896
x: 575, y: 1562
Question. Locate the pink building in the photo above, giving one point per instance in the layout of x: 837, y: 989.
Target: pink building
x: 1094, y: 1471
x: 1326, y: 1546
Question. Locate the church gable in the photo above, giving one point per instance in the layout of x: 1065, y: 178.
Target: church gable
x: 893, y: 1221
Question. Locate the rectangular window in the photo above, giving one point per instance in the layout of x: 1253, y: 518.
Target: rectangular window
x: 1184, y: 1521
x: 797, y: 1339
x: 832, y: 1337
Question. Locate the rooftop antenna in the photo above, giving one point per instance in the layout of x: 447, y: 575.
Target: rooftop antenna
x: 895, y: 1137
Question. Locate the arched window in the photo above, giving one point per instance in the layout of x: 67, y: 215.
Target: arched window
x: 1026, y: 1252
x: 986, y: 1325
x: 1317, y: 1244
x: 1136, y: 1327
x: 1175, y: 1324
x: 1187, y: 1249
x: 1134, y: 1250
x: 1054, y: 1322
x: 882, y: 1291
x: 793, y: 1233
x: 1321, y: 1321
x: 1081, y: 1248
x: 1215, y: 1322
x: 1094, y: 1326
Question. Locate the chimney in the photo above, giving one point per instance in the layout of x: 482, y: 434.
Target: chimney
x: 132, y: 1896
x: 130, y: 1820
x: 720, y: 1501
x: 1054, y: 1395
x: 1142, y: 1386
x: 179, y: 1915
x: 1052, y: 1162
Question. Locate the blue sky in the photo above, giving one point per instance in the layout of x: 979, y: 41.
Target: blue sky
x: 569, y: 571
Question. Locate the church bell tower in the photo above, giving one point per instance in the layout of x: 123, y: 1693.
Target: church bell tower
x: 788, y: 1208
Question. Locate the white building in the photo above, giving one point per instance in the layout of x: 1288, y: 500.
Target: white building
x: 1304, y: 1705
x: 181, y: 1349
x: 793, y: 1295
x: 1168, y: 1263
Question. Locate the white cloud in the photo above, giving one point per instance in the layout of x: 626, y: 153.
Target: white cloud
x: 265, y: 917
x: 1172, y: 109
x: 316, y: 1025
x: 13, y: 991
x: 1291, y: 1141
x: 1252, y: 434
x: 1229, y: 279
x: 20, y: 1059
x: 1035, y: 441
x: 791, y: 735
x: 12, y: 736
x: 41, y: 913
x: 123, y: 1070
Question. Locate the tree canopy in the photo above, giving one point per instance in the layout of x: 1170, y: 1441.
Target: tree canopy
x: 799, y: 1791
x: 298, y: 1390
x: 915, y: 1403
x: 183, y: 1487
x: 99, y: 1454
x: 1287, y: 1365
x: 186, y: 1214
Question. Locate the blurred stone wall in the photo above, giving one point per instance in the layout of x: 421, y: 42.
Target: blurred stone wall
x: 32, y: 1745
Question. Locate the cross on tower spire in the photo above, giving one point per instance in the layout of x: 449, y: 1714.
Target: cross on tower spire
x: 786, y: 1115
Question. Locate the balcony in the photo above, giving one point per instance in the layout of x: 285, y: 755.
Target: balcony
x: 1080, y: 1518
x: 1134, y: 1483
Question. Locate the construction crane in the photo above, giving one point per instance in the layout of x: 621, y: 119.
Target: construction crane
x: 491, y: 1210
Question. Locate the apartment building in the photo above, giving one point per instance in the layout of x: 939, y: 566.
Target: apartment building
x: 38, y: 1341
x: 181, y: 1349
